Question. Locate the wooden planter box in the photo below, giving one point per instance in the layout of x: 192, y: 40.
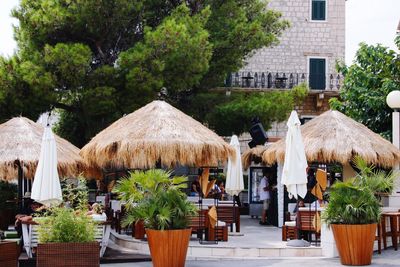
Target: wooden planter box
x: 8, y: 254
x: 68, y: 254
x: 355, y: 243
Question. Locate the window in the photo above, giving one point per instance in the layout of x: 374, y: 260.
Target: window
x: 317, y: 73
x: 318, y: 9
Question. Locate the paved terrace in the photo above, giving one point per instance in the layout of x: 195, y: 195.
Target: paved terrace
x: 254, y: 242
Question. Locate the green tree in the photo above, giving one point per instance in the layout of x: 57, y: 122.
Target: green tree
x: 374, y: 73
x: 97, y: 60
x: 234, y: 113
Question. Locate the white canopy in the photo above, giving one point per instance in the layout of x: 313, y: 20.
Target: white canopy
x: 294, y: 174
x: 46, y: 188
x: 234, y: 176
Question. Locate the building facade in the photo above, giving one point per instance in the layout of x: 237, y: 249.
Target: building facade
x: 308, y: 52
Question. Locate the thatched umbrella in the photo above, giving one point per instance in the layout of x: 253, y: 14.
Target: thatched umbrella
x: 333, y: 137
x: 20, y: 142
x: 252, y: 154
x: 156, y: 133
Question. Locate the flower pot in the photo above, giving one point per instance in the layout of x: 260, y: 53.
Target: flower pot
x: 138, y: 230
x: 354, y: 242
x: 68, y: 254
x: 168, y: 247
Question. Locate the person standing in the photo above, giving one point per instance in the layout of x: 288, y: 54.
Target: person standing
x: 265, y: 197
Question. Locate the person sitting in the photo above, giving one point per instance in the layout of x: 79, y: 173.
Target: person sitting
x: 317, y: 204
x: 31, y: 209
x: 195, y: 187
x: 300, y: 204
x: 96, y: 212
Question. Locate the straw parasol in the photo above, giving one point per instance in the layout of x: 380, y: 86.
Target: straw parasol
x: 20, y: 144
x: 156, y: 133
x: 252, y: 154
x: 334, y: 137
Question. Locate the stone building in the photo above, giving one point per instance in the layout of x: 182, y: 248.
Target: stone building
x: 307, y: 52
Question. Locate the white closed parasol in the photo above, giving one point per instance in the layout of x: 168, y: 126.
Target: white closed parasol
x: 234, y: 176
x: 46, y: 188
x: 294, y: 174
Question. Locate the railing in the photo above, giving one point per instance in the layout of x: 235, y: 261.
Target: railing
x: 282, y: 80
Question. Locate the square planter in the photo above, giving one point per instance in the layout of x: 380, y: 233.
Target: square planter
x: 8, y: 254
x: 68, y: 254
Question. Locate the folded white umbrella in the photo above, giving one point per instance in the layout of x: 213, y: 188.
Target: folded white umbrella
x: 46, y: 188
x: 294, y: 174
x: 234, y: 176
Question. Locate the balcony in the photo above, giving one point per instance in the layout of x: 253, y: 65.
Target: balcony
x: 269, y: 80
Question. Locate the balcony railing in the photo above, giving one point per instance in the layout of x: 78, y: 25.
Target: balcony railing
x: 281, y: 80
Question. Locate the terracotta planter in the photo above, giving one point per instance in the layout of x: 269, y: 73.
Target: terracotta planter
x: 138, y: 230
x: 169, y: 247
x: 354, y: 243
x: 68, y: 254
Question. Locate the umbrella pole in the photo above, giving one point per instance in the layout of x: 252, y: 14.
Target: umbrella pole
x: 20, y: 181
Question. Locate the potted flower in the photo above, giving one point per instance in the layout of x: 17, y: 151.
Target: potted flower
x: 353, y: 212
x: 164, y: 209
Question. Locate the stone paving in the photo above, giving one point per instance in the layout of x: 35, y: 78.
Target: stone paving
x: 387, y: 258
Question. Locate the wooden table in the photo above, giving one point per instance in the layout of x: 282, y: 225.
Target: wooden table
x: 394, y: 228
x: 8, y: 254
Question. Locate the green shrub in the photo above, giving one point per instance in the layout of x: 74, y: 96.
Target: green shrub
x: 160, y: 202
x: 76, y: 194
x: 356, y: 200
x: 350, y: 203
x: 63, y: 225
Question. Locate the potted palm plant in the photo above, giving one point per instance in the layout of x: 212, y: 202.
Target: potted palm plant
x: 158, y: 200
x: 354, y: 210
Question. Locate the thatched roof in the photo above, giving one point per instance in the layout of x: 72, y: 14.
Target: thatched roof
x: 21, y: 139
x: 333, y: 137
x: 153, y: 133
x: 252, y: 154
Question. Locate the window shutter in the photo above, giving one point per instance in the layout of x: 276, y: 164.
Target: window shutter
x: 318, y: 8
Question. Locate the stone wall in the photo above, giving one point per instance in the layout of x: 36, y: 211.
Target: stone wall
x: 304, y: 39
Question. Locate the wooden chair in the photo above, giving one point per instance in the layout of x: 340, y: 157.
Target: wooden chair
x: 305, y: 222
x: 289, y: 230
x: 230, y: 215
x: 394, y: 233
x: 218, y: 232
x: 216, y: 229
x: 378, y: 237
x: 198, y: 223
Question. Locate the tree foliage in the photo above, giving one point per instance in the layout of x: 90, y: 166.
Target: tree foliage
x: 374, y: 73
x: 233, y: 114
x: 97, y: 60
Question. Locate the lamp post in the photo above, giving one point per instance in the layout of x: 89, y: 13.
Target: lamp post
x: 393, y: 101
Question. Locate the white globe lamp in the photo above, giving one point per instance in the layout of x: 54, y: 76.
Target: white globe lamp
x: 393, y: 99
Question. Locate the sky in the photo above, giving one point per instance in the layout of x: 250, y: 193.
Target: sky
x: 369, y: 21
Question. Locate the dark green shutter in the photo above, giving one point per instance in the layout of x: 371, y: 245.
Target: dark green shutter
x: 318, y: 9
x: 317, y: 74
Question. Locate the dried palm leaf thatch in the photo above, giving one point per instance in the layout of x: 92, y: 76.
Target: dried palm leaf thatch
x: 156, y: 133
x: 334, y: 137
x: 20, y: 141
x: 251, y: 155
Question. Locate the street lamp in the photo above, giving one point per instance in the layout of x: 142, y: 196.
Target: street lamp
x: 393, y: 101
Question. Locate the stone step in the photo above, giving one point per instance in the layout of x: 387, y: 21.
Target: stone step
x: 213, y: 251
